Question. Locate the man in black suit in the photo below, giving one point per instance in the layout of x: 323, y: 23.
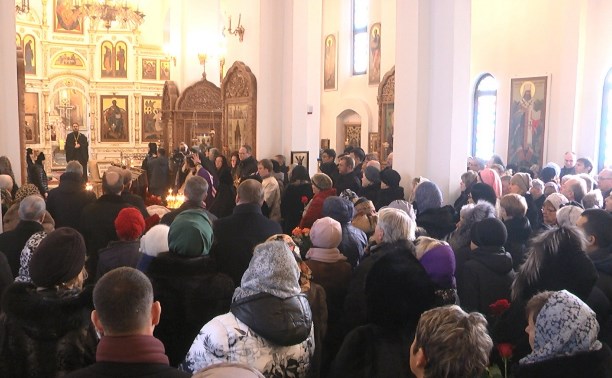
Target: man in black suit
x: 77, y: 148
x: 67, y: 201
x: 237, y: 235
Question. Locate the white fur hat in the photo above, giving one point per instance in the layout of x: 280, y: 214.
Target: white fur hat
x: 155, y: 241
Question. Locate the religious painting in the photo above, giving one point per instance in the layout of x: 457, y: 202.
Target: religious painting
x: 324, y: 144
x: 374, y: 60
x: 373, y: 143
x: 151, y: 119
x: 237, y: 121
x: 31, y: 126
x: 149, y: 69
x: 164, y: 70
x: 352, y: 132
x: 330, y: 63
x: 121, y: 55
x: 114, y: 125
x: 68, y: 59
x: 388, y: 123
x: 527, y: 121
x: 67, y: 20
x: 29, y: 54
x: 107, y: 58
x: 299, y: 158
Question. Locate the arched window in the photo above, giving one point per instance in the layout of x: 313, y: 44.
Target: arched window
x: 605, y: 136
x: 360, y: 36
x: 483, y: 130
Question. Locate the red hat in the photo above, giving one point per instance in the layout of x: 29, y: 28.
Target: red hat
x: 129, y: 224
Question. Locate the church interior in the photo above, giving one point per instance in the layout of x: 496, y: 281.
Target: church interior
x: 297, y: 76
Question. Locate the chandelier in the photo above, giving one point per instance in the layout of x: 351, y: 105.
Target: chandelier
x: 108, y: 11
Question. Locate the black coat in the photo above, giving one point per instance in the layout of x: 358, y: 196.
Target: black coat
x: 533, y: 213
x: 594, y: 364
x: 486, y: 277
x: 330, y: 169
x: 118, y: 254
x: 347, y: 181
x: 12, y: 242
x: 67, y: 201
x: 6, y: 276
x: 247, y: 167
x: 168, y: 218
x: 519, y: 232
x: 292, y: 206
x: 98, y: 226
x: 80, y: 154
x: 437, y: 222
x: 159, y: 171
x: 46, y: 334
x: 137, y: 202
x: 225, y: 201
x: 237, y: 235
x: 388, y: 195
x: 191, y: 293
x: 370, y: 192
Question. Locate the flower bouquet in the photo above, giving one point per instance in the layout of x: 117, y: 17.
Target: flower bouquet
x: 301, y: 237
x: 504, y: 350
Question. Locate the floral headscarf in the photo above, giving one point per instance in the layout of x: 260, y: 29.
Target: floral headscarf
x: 565, y: 326
x: 272, y: 270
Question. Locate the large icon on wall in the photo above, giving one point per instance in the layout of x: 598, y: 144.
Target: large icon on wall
x: 113, y: 59
x: 114, y: 125
x: 374, y: 61
x: 152, y: 130
x: 149, y: 69
x: 32, y: 129
x: 330, y: 71
x: 66, y: 19
x: 527, y: 121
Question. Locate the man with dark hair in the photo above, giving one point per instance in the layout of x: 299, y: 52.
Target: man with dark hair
x: 125, y: 316
x: 196, y: 191
x: 584, y: 165
x: 596, y: 225
x: 346, y: 176
x: 98, y: 219
x: 32, y: 211
x: 248, y: 164
x: 358, y: 155
x: 237, y: 235
x: 67, y: 201
x: 328, y: 163
x: 77, y: 148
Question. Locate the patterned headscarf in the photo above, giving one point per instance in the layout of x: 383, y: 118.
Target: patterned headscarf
x: 272, y: 270
x: 24, y: 191
x: 305, y: 272
x: 565, y: 326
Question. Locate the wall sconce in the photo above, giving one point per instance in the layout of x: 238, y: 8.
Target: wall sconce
x: 239, y: 31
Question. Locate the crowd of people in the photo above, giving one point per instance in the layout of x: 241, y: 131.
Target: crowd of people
x: 267, y: 271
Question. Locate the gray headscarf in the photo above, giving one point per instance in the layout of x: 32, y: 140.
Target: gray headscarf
x: 565, y: 326
x: 272, y: 270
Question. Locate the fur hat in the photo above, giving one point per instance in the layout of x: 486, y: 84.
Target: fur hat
x: 59, y: 258
x: 155, y: 241
x: 322, y: 181
x: 372, y: 174
x: 190, y: 234
x: 522, y: 180
x: 557, y: 199
x: 390, y: 177
x: 129, y: 224
x: 326, y: 233
x: 489, y: 232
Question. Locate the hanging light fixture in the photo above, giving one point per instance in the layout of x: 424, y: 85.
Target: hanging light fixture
x: 24, y: 7
x: 108, y: 11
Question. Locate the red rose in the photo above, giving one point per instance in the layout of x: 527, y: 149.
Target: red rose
x: 505, y: 350
x: 499, y: 307
x: 304, y: 200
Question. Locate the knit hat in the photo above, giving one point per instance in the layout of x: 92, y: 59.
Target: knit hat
x: 522, y: 180
x: 129, y: 224
x: 155, y: 241
x: 548, y: 174
x: 59, y: 258
x: 326, y: 233
x: 568, y: 215
x: 190, y: 234
x: 390, y: 177
x: 402, y: 205
x: 557, y: 199
x: 372, y: 174
x: 322, y: 181
x: 427, y: 196
x: 439, y: 262
x: 489, y: 232
x: 339, y: 209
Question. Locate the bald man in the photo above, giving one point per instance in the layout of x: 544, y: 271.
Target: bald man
x: 98, y: 219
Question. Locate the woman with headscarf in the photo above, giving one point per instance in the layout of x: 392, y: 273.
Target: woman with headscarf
x: 322, y: 188
x: 437, y: 220
x: 484, y: 192
x: 490, y: 177
x: 46, y: 324
x: 562, y: 333
x: 468, y: 179
x: 520, y: 183
x: 269, y: 326
x: 225, y: 200
x: 390, y: 189
x: 187, y: 283
x: 549, y: 210
x: 295, y: 197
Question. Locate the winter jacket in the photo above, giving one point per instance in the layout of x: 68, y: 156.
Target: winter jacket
x: 388, y: 195
x: 519, y: 232
x: 437, y: 222
x: 292, y: 206
x: 191, y: 293
x: 314, y: 210
x: 118, y: 254
x: 273, y: 335
x: 45, y: 333
x: 347, y: 181
x: 370, y: 192
x: 486, y: 277
x: 12, y: 242
x: 66, y: 202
